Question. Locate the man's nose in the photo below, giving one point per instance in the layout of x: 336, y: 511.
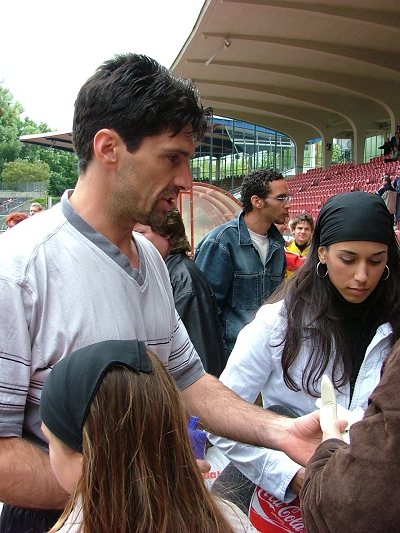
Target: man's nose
x: 184, y: 179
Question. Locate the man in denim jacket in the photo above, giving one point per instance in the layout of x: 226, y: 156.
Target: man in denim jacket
x: 244, y: 259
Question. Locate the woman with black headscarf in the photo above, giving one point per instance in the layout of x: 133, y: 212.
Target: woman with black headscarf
x: 338, y: 315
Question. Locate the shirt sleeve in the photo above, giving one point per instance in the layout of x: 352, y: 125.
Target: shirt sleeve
x: 356, y: 487
x: 184, y: 362
x: 15, y: 356
x: 246, y: 373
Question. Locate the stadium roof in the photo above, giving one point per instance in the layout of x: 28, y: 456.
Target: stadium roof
x: 54, y: 139
x: 310, y: 69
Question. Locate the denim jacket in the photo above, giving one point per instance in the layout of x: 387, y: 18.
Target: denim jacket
x: 233, y: 268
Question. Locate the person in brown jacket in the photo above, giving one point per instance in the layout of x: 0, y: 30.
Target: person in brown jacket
x: 355, y: 488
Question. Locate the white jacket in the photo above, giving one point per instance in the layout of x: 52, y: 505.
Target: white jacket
x: 255, y: 366
x: 238, y: 521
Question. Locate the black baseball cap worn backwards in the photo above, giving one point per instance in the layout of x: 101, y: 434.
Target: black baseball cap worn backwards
x: 73, y: 382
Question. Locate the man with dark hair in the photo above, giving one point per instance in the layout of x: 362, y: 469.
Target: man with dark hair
x: 76, y: 275
x: 244, y: 259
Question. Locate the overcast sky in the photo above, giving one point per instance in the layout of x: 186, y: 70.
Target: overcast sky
x: 49, y: 48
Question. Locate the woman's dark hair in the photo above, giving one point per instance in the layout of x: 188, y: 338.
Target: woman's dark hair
x: 311, y: 318
x: 137, y: 97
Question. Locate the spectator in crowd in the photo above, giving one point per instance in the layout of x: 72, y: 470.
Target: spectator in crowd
x: 396, y: 185
x: 118, y: 439
x: 194, y: 300
x: 395, y: 154
x: 296, y: 251
x: 340, y: 315
x: 35, y: 208
x: 76, y: 275
x: 386, y: 147
x: 386, y: 185
x: 244, y: 259
x: 355, y: 487
x: 15, y: 218
x: 389, y: 195
x: 395, y: 140
x: 7, y: 205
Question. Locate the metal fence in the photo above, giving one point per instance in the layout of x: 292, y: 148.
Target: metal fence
x: 38, y: 188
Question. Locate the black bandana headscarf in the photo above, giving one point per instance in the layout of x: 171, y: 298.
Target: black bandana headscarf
x: 72, y: 384
x: 354, y: 216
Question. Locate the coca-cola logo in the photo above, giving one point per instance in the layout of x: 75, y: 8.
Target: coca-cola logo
x: 269, y: 514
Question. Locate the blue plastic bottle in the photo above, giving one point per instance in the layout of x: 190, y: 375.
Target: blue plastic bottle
x: 198, y: 438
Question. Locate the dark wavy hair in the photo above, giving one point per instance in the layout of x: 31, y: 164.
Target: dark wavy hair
x: 311, y: 317
x: 174, y: 228
x: 137, y: 97
x: 257, y: 184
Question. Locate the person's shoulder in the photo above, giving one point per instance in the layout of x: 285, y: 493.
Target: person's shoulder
x: 237, y: 519
x: 25, y: 239
x: 176, y: 265
x: 291, y: 246
x: 270, y: 313
x: 196, y: 275
x: 184, y: 271
x: 219, y: 231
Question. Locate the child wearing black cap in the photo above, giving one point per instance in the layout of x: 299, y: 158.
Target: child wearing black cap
x: 118, y: 440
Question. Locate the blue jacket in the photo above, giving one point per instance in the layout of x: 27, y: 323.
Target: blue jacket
x: 234, y: 271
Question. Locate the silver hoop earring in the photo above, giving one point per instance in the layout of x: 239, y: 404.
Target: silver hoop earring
x: 387, y: 273
x: 317, y: 270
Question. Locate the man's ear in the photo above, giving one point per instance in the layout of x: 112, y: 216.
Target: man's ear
x: 105, y: 146
x: 322, y: 254
x: 257, y: 202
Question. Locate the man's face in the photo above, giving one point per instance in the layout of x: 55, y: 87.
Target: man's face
x: 302, y: 233
x: 149, y: 179
x: 34, y: 209
x: 277, y: 211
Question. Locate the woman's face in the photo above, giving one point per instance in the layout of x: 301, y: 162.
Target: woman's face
x: 65, y: 462
x: 354, y: 267
x: 159, y: 241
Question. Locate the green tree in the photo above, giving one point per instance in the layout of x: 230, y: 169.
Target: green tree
x: 9, y: 127
x: 20, y: 171
x: 62, y: 166
x: 59, y: 182
x: 337, y: 153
